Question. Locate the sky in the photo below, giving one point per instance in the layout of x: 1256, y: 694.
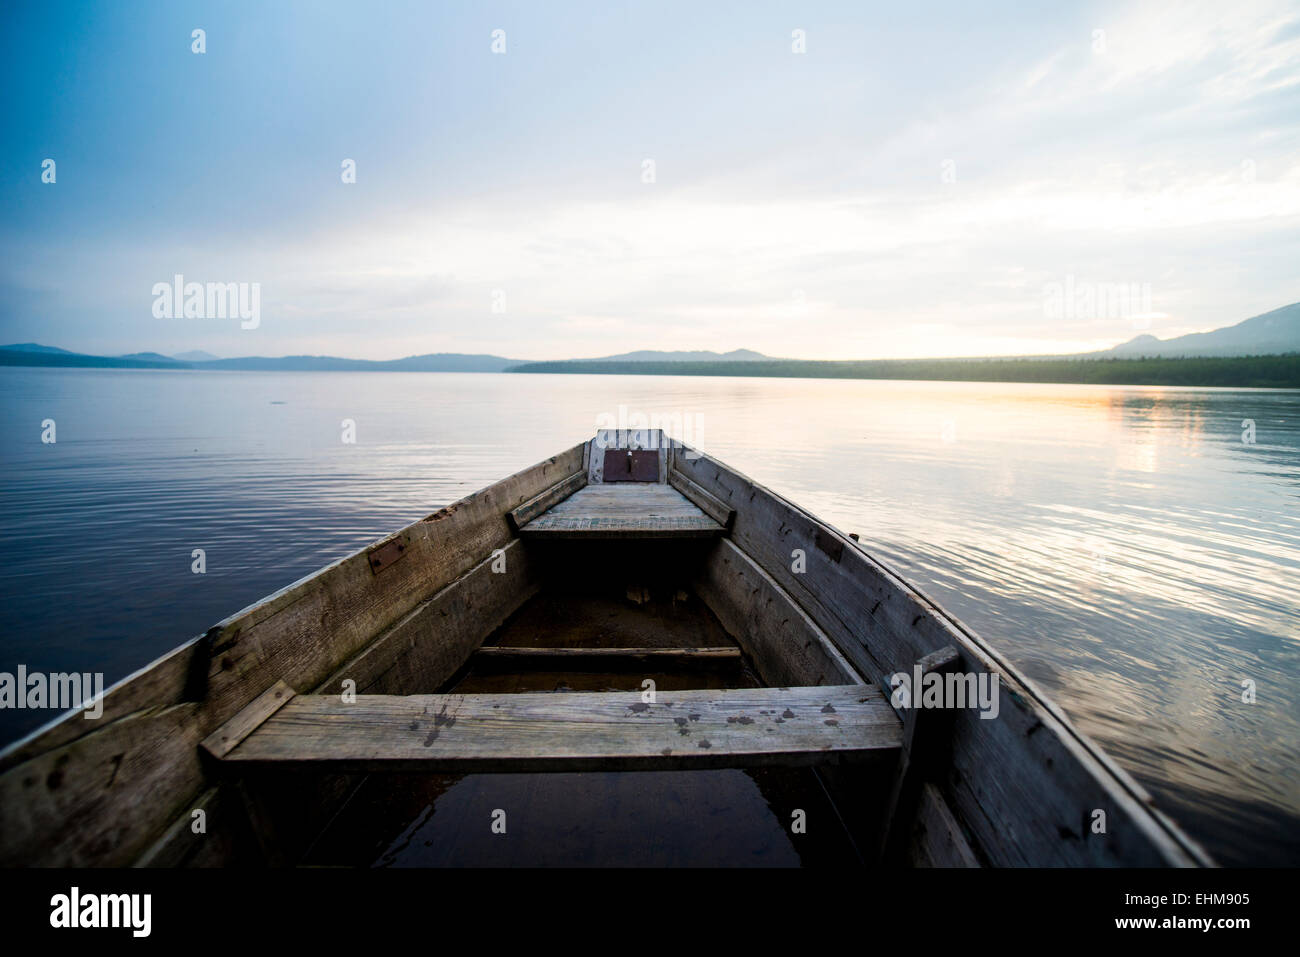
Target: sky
x: 829, y: 180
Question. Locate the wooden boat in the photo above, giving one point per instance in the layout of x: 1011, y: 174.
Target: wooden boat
x: 768, y: 638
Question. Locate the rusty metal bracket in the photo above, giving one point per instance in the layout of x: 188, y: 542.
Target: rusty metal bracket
x: 385, y: 555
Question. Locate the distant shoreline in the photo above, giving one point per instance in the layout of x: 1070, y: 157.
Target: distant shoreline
x: 1247, y: 372
x: 1258, y: 372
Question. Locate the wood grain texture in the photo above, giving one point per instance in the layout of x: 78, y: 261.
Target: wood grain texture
x: 166, y: 679
x: 535, y: 506
x: 649, y: 660
x: 628, y: 510
x: 224, y: 740
x: 785, y: 645
x: 103, y: 796
x: 427, y: 646
x: 575, y: 732
x: 937, y: 840
x: 225, y: 838
x: 926, y: 735
x: 718, y: 511
x: 1023, y: 785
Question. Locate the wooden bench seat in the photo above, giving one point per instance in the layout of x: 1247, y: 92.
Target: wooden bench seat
x: 623, y: 510
x: 643, y: 660
x: 578, y: 731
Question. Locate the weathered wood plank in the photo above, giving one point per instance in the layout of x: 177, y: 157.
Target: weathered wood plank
x: 925, y: 743
x: 557, y: 493
x: 785, y: 645
x: 1023, y: 784
x: 262, y: 823
x: 720, y: 512
x: 222, y: 741
x: 787, y: 648
x: 624, y: 511
x: 81, y: 792
x: 223, y: 837
x: 220, y: 841
x: 163, y: 680
x: 576, y: 732
x: 659, y: 527
x: 105, y: 795
x: 937, y: 840
x: 497, y: 657
x: 425, y: 648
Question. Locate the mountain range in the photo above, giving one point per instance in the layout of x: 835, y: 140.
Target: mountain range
x: 35, y: 354
x: 1272, y: 333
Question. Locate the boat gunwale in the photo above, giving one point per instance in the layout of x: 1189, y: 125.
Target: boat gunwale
x: 1035, y: 694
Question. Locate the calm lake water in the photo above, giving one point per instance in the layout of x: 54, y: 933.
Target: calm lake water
x: 1123, y: 545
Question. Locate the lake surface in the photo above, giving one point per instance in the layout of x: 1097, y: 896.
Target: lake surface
x: 1125, y: 546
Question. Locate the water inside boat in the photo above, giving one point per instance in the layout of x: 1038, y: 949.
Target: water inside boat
x: 721, y: 817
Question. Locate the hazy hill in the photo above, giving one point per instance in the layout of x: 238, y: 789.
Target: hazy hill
x: 195, y: 355
x: 1272, y: 333
x: 33, y: 354
x: 37, y: 347
x: 434, y: 362
x: 151, y: 357
x: 650, y: 355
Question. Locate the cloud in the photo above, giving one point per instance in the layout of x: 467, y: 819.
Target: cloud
x: 905, y: 203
